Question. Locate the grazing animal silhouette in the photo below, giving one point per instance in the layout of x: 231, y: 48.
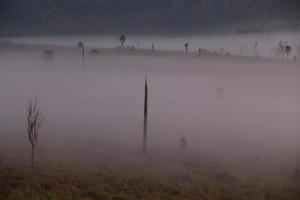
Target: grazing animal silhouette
x: 48, y: 55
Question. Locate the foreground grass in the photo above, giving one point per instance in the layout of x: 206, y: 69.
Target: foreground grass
x: 190, y: 180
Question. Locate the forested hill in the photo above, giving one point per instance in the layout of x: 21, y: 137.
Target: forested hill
x: 24, y: 17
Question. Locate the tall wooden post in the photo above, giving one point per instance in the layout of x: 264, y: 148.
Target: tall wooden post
x: 145, y: 117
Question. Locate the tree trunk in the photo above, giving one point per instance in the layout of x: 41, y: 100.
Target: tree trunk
x: 32, y: 157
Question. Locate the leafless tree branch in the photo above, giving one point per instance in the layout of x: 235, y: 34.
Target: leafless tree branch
x: 34, y: 123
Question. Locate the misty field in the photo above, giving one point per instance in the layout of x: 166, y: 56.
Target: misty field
x: 239, y: 116
x: 192, y: 178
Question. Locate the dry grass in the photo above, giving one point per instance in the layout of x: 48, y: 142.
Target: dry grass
x: 146, y: 180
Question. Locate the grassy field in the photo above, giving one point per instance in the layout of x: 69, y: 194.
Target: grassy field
x: 148, y: 178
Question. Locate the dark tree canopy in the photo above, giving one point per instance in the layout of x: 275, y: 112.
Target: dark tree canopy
x: 146, y: 16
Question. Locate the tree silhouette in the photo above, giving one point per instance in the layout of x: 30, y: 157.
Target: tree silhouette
x: 34, y: 123
x: 186, y: 46
x: 81, y: 46
x: 122, y: 40
x: 288, y: 50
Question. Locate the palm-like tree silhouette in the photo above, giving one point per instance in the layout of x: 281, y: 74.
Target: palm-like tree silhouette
x: 81, y: 46
x: 122, y: 40
x: 186, y: 46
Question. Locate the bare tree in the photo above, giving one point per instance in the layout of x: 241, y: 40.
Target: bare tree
x: 34, y: 123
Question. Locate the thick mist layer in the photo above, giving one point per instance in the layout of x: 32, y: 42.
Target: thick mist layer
x: 237, y: 44
x: 232, y: 109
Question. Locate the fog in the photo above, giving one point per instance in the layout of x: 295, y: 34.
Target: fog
x: 229, y: 42
x: 98, y: 108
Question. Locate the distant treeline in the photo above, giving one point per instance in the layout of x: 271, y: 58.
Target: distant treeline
x: 25, y: 17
